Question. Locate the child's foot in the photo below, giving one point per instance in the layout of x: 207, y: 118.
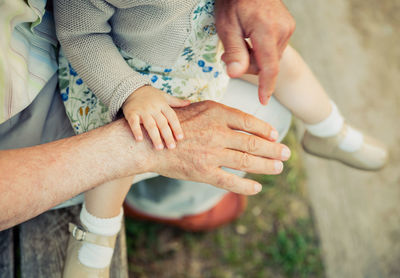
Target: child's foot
x: 366, y: 154
x: 91, y: 247
x: 73, y: 267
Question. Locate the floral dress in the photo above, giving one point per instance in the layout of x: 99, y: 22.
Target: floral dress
x: 197, y: 75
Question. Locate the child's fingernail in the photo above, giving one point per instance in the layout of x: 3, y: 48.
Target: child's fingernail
x: 257, y: 187
x: 285, y: 153
x: 140, y: 138
x: 278, y: 166
x: 171, y: 146
x: 160, y: 147
x: 180, y: 136
x: 274, y: 135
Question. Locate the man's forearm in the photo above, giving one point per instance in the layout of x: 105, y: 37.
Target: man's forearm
x: 37, y: 178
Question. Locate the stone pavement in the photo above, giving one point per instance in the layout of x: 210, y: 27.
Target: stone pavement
x: 353, y: 46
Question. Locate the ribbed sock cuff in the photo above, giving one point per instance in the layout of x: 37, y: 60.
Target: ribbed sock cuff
x: 101, y: 226
x: 329, y: 126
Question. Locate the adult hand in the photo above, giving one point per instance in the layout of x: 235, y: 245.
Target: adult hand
x: 45, y: 175
x: 212, y: 140
x: 268, y: 24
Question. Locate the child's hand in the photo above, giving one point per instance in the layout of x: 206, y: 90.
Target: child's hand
x: 152, y: 108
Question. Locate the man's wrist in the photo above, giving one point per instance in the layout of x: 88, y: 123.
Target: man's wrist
x: 129, y: 157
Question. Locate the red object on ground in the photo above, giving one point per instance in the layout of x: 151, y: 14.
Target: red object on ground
x: 230, y: 207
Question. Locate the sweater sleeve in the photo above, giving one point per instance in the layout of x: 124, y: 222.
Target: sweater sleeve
x: 84, y: 33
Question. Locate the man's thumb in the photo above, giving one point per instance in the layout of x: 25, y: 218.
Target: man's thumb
x: 236, y: 55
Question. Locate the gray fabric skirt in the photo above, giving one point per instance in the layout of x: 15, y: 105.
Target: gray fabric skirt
x: 41, y: 122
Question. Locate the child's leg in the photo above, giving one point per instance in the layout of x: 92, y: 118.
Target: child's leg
x: 327, y: 134
x: 105, y: 201
x: 102, y: 215
x: 299, y: 90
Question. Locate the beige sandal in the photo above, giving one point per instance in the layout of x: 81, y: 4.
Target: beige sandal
x: 73, y: 268
x: 371, y: 156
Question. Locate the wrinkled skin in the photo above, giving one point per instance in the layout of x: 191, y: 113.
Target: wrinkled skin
x: 45, y: 175
x: 268, y: 25
x: 212, y: 140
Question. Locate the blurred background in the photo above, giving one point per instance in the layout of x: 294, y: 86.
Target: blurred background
x: 319, y: 218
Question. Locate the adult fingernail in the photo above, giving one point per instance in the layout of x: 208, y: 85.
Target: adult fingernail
x: 278, y: 166
x: 262, y: 96
x: 257, y: 187
x: 274, y: 135
x: 160, y: 147
x: 171, y: 146
x: 285, y: 153
x: 234, y: 68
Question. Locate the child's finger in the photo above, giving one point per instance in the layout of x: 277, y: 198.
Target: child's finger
x: 150, y: 125
x: 176, y: 102
x: 134, y: 123
x: 165, y: 130
x: 173, y: 122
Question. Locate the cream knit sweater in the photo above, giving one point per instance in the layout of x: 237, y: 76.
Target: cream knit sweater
x: 91, y: 31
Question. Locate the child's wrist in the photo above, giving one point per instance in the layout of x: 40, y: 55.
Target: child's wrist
x: 135, y: 93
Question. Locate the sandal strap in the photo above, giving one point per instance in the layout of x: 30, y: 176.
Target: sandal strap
x: 79, y: 233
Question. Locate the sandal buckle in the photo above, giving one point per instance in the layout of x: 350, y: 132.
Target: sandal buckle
x: 79, y: 233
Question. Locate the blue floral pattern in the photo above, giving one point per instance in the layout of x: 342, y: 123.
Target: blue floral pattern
x: 197, y: 75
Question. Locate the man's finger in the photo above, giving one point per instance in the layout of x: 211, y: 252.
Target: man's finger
x: 236, y: 55
x: 257, y: 146
x: 239, y: 120
x: 266, y: 54
x: 253, y: 67
x: 250, y: 163
x: 235, y: 183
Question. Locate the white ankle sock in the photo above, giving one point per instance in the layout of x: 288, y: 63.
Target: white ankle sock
x: 93, y: 255
x: 332, y: 125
